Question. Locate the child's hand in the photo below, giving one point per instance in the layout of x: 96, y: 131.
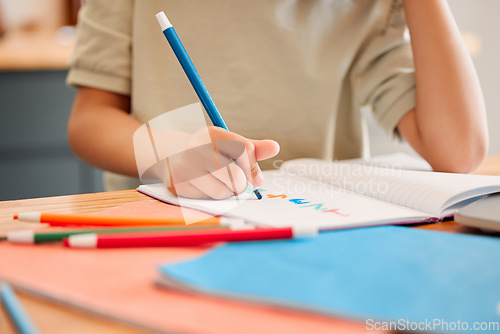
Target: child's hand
x: 206, y: 169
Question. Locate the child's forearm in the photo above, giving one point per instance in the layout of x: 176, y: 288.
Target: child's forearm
x: 448, y: 125
x: 100, y: 131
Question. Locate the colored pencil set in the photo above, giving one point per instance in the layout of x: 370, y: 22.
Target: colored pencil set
x: 136, y: 231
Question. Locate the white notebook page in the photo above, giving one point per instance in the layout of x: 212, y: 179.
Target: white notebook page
x: 429, y: 192
x: 290, y: 201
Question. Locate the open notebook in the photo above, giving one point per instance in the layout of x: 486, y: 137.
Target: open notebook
x: 337, y: 195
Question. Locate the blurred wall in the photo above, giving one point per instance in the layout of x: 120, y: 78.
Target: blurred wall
x: 479, y: 21
x: 481, y: 17
x: 35, y: 157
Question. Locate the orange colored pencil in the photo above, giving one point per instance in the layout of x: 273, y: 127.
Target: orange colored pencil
x: 74, y: 219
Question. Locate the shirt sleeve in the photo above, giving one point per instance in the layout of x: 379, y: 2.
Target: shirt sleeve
x: 102, y: 56
x: 383, y: 76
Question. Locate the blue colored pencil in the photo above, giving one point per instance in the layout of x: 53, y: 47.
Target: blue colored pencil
x: 192, y: 74
x: 15, y: 310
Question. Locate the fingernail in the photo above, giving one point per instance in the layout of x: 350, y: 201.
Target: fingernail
x: 258, y: 179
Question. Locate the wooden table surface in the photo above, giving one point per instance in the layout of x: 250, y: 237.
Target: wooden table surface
x: 33, y: 50
x: 48, y: 315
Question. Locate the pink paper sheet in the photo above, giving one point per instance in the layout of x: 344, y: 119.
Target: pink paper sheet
x: 119, y: 283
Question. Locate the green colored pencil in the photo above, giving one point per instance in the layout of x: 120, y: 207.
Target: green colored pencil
x: 33, y: 237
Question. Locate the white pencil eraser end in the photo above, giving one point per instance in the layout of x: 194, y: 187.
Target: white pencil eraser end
x: 87, y: 240
x: 23, y: 237
x: 33, y: 216
x: 304, y: 231
x: 163, y: 21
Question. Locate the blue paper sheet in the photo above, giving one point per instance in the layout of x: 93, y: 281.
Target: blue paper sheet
x: 386, y: 273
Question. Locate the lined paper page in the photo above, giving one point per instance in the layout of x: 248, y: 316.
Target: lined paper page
x: 429, y: 192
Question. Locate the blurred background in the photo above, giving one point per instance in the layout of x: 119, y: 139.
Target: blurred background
x: 36, y: 41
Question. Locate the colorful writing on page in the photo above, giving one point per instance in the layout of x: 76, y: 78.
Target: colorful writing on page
x: 291, y: 201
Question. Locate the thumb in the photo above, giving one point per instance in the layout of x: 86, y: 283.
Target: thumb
x: 265, y: 149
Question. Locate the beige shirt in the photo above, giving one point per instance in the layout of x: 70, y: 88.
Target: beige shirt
x: 296, y: 71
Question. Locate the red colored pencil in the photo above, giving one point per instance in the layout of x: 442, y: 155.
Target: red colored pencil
x: 185, y: 238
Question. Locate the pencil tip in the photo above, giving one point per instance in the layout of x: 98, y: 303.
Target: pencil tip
x: 257, y: 193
